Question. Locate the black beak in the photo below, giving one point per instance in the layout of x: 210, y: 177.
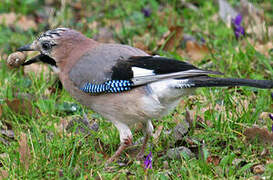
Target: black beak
x: 26, y: 48
x: 41, y: 57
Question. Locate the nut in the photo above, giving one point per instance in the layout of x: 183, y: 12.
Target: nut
x: 16, y: 59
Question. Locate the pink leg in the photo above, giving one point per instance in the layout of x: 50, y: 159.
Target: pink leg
x: 140, y: 155
x: 127, y: 142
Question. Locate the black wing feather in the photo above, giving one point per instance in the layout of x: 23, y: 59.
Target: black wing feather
x: 160, y: 65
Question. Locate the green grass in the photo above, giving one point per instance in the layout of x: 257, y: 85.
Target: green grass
x: 56, y: 153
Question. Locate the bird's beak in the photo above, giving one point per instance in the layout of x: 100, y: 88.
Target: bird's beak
x: 28, y: 47
x: 32, y: 60
x: 41, y: 58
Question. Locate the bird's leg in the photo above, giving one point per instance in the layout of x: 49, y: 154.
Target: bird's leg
x: 149, y: 131
x: 125, y: 140
x: 140, y: 155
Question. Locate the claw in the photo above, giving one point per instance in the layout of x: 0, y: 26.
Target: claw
x: 127, y: 142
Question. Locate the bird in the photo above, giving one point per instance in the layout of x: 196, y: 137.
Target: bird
x: 122, y: 83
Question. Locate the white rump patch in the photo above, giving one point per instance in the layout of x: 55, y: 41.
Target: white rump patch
x: 138, y: 72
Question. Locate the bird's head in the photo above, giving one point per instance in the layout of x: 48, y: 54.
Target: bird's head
x: 56, y: 44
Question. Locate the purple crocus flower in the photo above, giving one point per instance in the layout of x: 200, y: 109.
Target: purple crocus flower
x: 148, y: 161
x: 146, y: 12
x: 237, y: 27
x: 271, y: 117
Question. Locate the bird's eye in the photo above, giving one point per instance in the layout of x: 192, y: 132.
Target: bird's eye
x: 46, y: 45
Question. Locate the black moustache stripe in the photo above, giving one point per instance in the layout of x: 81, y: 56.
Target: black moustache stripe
x: 43, y: 58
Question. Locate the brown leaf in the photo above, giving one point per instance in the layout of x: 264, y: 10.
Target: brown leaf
x: 11, y: 19
x: 142, y: 46
x: 188, y: 118
x: 157, y: 133
x: 213, y: 159
x: 264, y: 48
x: 261, y: 134
x: 4, y: 174
x: 8, y: 18
x: 61, y: 126
x: 26, y: 23
x: 104, y: 35
x: 264, y: 115
x: 258, y: 169
x: 24, y: 151
x: 174, y: 38
x: 21, y: 106
x: 196, y: 51
x: 254, y: 19
x: 251, y: 13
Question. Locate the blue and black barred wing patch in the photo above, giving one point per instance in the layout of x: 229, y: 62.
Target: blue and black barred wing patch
x: 112, y: 86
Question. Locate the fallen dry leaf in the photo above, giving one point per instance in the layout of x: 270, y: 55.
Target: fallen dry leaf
x: 157, y: 133
x: 24, y: 151
x: 61, y: 126
x: 21, y: 106
x: 8, y: 18
x: 196, y: 51
x: 265, y: 152
x: 189, y: 119
x: 4, y: 174
x: 7, y: 133
x: 254, y: 19
x: 261, y: 134
x: 264, y: 115
x: 251, y: 13
x: 264, y: 48
x: 26, y: 23
x: 260, y: 31
x: 142, y: 42
x: 174, y: 38
x: 258, y: 169
x: 104, y: 35
x: 215, y: 160
x: 11, y: 19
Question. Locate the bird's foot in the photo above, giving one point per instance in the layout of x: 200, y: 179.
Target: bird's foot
x: 127, y: 142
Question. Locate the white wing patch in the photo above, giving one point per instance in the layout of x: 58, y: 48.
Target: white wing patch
x: 138, y: 72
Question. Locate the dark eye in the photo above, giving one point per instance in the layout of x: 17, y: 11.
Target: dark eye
x: 46, y: 45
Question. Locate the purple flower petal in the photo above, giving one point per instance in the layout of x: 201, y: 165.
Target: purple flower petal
x: 237, y: 28
x: 238, y: 20
x: 271, y: 116
x: 146, y: 12
x: 148, y: 161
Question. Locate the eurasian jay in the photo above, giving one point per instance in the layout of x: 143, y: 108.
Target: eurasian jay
x: 122, y: 83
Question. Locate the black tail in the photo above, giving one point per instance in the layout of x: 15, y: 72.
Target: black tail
x: 205, y: 81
